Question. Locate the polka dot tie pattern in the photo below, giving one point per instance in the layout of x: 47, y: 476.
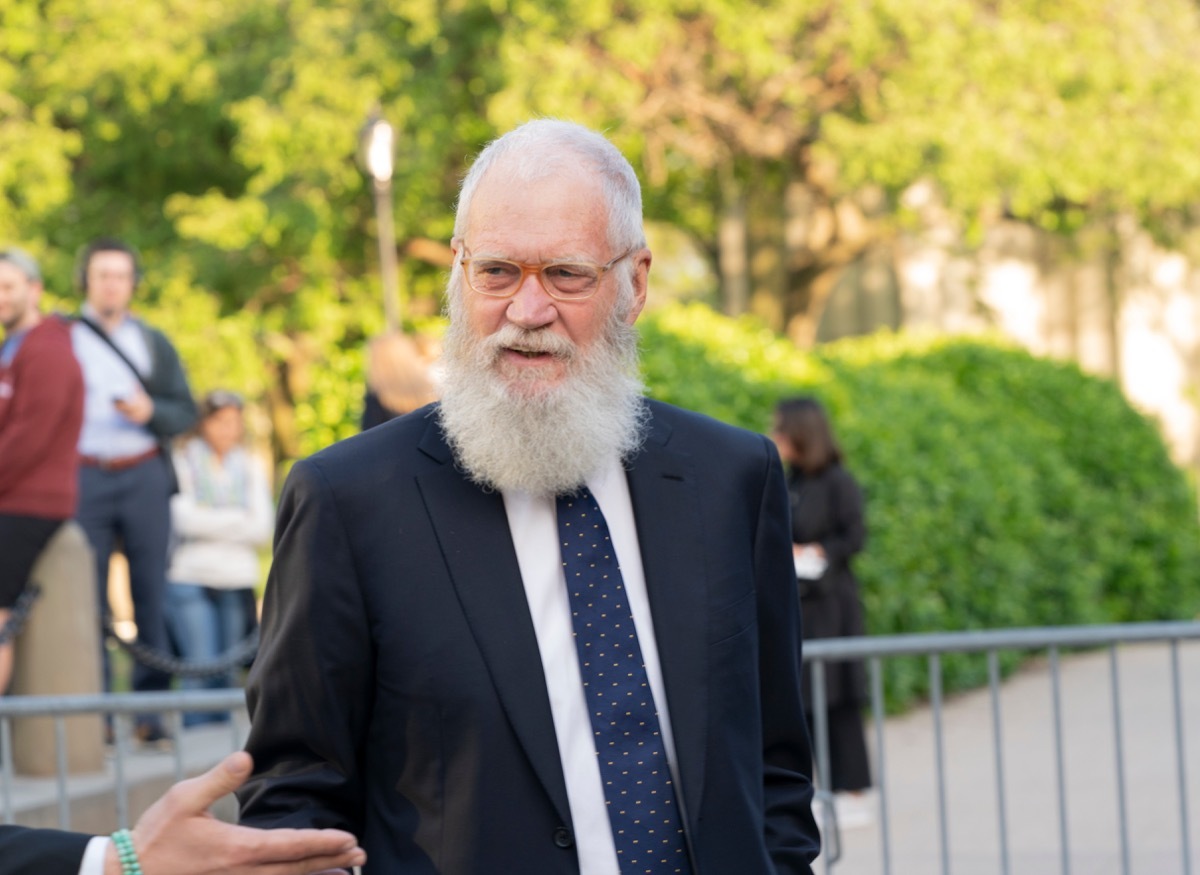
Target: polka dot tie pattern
x: 638, y: 788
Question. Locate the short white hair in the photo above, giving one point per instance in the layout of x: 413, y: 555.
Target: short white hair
x: 22, y: 261
x: 545, y: 146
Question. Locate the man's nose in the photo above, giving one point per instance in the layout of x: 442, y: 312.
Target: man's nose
x: 531, y: 306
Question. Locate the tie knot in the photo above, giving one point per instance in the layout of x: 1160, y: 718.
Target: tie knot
x: 581, y: 502
x: 580, y: 494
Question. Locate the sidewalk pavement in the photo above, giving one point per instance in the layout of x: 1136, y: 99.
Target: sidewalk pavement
x: 1151, y: 775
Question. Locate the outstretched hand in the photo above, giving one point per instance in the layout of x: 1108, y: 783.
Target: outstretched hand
x: 178, y: 836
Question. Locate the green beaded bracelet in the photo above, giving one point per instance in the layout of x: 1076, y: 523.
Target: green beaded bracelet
x: 123, y: 840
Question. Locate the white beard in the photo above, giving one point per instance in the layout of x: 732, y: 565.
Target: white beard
x: 543, y: 441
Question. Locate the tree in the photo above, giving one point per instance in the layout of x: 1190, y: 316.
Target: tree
x: 221, y: 139
x: 784, y: 135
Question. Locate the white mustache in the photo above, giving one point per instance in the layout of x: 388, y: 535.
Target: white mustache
x: 538, y: 340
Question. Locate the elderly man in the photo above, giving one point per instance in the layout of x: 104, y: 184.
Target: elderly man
x: 547, y: 626
x: 41, y: 408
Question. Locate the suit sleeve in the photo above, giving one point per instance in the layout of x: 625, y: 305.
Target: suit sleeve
x: 310, y: 691
x: 174, y: 407
x: 791, y: 831
x: 45, y: 851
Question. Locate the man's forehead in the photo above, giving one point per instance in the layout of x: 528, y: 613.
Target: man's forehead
x: 10, y: 274
x: 111, y: 260
x: 555, y: 215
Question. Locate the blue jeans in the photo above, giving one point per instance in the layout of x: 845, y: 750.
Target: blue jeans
x: 204, y: 623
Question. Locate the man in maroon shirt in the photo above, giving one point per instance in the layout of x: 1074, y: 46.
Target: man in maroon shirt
x: 41, y: 412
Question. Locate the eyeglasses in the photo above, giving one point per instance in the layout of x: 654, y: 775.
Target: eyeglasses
x: 562, y: 280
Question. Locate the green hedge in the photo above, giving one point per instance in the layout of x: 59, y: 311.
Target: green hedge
x: 1002, y: 489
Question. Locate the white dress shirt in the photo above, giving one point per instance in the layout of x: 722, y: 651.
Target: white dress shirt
x: 534, y: 527
x: 106, y: 432
x: 93, y: 857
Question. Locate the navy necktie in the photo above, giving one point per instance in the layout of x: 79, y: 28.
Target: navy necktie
x: 638, y: 789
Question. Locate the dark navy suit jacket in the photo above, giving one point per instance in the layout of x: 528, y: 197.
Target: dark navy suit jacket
x: 45, y: 851
x: 398, y: 692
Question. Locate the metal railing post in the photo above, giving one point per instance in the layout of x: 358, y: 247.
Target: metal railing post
x: 1180, y: 758
x: 993, y: 661
x: 1122, y: 814
x: 1059, y: 765
x: 877, y: 711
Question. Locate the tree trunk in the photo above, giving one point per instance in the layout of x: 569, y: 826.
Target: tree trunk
x: 823, y: 237
x: 1113, y: 266
x: 288, y: 365
x: 732, y: 242
x: 803, y: 324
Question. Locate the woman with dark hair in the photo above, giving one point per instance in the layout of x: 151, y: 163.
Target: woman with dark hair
x: 827, y: 530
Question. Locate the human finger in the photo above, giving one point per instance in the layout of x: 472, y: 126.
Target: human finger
x: 285, y: 845
x: 305, y: 852
x: 199, y: 793
x: 319, y: 865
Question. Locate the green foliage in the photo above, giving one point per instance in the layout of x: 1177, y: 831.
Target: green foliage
x: 1122, y: 498
x: 221, y: 137
x: 733, y: 370
x: 1002, y: 490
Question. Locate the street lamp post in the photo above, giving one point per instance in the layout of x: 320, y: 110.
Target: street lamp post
x: 376, y: 150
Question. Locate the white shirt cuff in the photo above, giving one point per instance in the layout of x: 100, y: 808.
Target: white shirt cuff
x: 93, y: 857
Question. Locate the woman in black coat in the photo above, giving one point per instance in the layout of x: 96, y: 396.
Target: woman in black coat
x: 827, y: 530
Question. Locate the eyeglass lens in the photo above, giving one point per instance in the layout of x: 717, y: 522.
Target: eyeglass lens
x: 493, y: 276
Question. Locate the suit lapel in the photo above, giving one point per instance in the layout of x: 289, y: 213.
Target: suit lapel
x: 666, y: 507
x: 475, y: 541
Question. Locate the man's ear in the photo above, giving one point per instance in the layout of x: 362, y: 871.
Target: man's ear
x: 641, y: 280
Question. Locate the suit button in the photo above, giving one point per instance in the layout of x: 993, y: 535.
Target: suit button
x: 563, y: 837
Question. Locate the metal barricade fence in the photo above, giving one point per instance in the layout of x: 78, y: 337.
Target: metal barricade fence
x: 991, y: 643
x: 122, y: 707
x: 873, y: 649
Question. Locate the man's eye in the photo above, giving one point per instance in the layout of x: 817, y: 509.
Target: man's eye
x: 570, y: 272
x: 496, y: 269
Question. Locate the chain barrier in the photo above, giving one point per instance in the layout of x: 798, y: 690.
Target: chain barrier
x: 20, y: 613
x: 151, y: 657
